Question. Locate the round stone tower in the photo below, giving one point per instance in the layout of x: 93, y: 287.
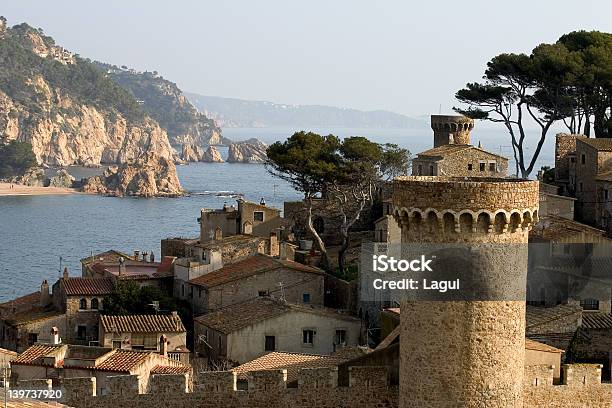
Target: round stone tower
x: 451, y: 129
x: 467, y: 353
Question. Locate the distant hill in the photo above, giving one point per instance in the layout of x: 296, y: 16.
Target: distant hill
x: 229, y: 112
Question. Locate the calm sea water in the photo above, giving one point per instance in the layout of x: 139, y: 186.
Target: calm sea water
x: 36, y: 231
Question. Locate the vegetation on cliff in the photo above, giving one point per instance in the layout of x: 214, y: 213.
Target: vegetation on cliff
x: 15, y: 159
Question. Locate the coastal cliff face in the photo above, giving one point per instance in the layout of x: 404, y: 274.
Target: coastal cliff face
x: 212, y: 155
x: 73, y: 114
x: 147, y: 176
x: 193, y: 153
x: 248, y: 151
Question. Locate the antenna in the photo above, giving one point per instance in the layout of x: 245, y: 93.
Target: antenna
x: 59, y: 271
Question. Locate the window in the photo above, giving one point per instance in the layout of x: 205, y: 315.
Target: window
x: 81, y: 332
x: 582, y: 158
x: 319, y: 224
x: 340, y: 337
x: 262, y: 293
x: 470, y: 167
x: 580, y: 186
x: 306, y: 297
x: 270, y: 343
x: 32, y: 338
x: 182, y: 289
x: 308, y: 337
x: 431, y: 170
x: 572, y: 159
x: 83, y: 304
x: 482, y: 166
x: 420, y: 170
x: 258, y: 216
x: 606, y: 195
x: 116, y: 344
x: 491, y: 166
x: 94, y: 304
x: 590, y: 304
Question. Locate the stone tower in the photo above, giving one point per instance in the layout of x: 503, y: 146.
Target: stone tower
x: 451, y: 129
x: 467, y: 353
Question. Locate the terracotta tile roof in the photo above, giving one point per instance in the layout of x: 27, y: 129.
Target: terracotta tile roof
x: 557, y: 340
x: 29, y: 299
x: 601, y: 144
x: 160, y: 369
x: 8, y: 352
x: 250, y: 266
x: 596, y: 320
x: 292, y: 362
x: 106, y: 256
x: 451, y: 149
x: 33, y: 353
x: 238, y: 316
x: 87, y: 286
x: 540, y: 315
x: 142, y: 324
x: 537, y: 346
x: 351, y: 352
x: 28, y: 403
x: 123, y: 360
x: 34, y: 315
x: 136, y: 270
x: 553, y: 227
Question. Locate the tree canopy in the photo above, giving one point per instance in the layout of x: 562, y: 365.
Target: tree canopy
x: 16, y: 158
x: 569, y: 81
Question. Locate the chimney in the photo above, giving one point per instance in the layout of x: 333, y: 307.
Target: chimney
x: 152, y: 257
x: 66, y: 275
x: 121, y: 266
x: 163, y: 345
x: 55, y: 338
x: 136, y: 255
x: 218, y: 234
x: 286, y: 252
x: 274, y: 247
x: 45, y: 297
x: 144, y: 256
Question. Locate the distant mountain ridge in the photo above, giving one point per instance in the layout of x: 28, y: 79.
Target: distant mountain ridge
x: 231, y: 112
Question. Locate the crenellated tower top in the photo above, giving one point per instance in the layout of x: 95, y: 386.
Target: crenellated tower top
x: 451, y: 129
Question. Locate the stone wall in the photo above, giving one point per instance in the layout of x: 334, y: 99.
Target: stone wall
x: 465, y: 163
x: 565, y: 144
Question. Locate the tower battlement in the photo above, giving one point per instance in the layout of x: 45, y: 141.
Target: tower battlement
x: 451, y: 129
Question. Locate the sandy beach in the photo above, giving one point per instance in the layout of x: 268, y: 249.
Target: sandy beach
x: 6, y: 190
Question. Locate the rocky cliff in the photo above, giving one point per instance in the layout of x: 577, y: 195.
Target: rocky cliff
x: 69, y: 110
x: 165, y: 102
x: 248, y: 151
x: 212, y: 155
x: 147, y: 176
x: 191, y: 153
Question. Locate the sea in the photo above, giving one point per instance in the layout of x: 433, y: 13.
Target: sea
x: 40, y: 235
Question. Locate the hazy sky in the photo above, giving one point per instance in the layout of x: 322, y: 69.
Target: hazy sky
x: 408, y: 56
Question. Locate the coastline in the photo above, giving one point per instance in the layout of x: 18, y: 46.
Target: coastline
x: 21, y: 190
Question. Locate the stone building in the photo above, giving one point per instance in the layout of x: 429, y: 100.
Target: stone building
x: 453, y: 155
x: 255, y: 276
x: 246, y: 218
x: 456, y: 350
x: 81, y: 299
x: 582, y: 168
x: 552, y: 203
x: 142, y: 332
x: 144, y: 272
x: 57, y: 362
x: 245, y: 331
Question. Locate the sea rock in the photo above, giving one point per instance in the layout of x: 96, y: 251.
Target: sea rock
x: 248, y: 151
x: 212, y: 155
x: 34, y: 177
x: 147, y: 176
x: 61, y: 179
x: 192, y: 153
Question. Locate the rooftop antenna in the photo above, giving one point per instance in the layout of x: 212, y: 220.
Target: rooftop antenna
x: 155, y: 305
x: 59, y: 271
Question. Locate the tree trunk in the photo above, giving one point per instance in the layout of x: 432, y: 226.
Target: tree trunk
x: 325, y: 264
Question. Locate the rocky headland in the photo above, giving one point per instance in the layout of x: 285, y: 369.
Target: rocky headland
x: 248, y: 151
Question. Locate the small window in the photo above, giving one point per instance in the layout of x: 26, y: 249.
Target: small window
x: 606, y: 195
x: 94, y: 304
x: 308, y: 337
x: 306, y: 297
x: 83, y: 304
x: 258, y: 216
x: 81, y: 332
x: 340, y: 337
x: 270, y: 343
x: 482, y: 166
x: 583, y: 159
x: 182, y: 289
x: 590, y: 304
x: 572, y: 159
x: 32, y: 338
x: 470, y: 167
x: 580, y: 186
x: 491, y: 166
x: 431, y: 170
x: 116, y: 344
x: 262, y: 293
x: 420, y: 170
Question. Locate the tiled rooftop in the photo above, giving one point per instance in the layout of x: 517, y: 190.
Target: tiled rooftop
x: 444, y: 150
x: 159, y: 369
x: 122, y: 360
x: 601, y: 144
x: 390, y: 339
x: 537, y: 346
x: 553, y: 227
x: 87, y: 286
x: 107, y: 256
x: 142, y: 324
x: 596, y: 320
x: 292, y: 362
x: 238, y: 316
x: 33, y: 353
x: 250, y: 266
x: 29, y: 403
x: 539, y: 315
x: 136, y: 270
